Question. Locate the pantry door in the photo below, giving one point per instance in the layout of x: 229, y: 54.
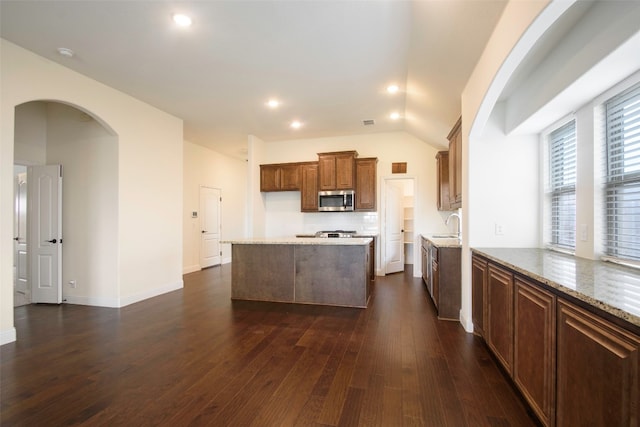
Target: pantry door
x: 394, y: 224
x: 210, y: 226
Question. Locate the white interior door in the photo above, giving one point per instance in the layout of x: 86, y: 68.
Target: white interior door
x: 394, y: 233
x: 210, y: 201
x: 22, y: 293
x: 44, y: 185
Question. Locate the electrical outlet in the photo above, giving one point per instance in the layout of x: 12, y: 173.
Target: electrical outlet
x: 499, y: 229
x: 584, y: 232
x: 72, y: 283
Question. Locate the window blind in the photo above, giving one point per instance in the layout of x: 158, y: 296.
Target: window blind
x: 562, y: 175
x: 622, y: 114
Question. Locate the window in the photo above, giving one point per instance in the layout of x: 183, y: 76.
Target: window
x: 622, y: 181
x: 562, y: 185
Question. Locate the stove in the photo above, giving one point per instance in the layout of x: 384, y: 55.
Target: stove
x: 336, y: 234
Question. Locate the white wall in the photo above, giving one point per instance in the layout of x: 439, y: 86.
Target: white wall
x: 89, y: 157
x: 282, y: 209
x: 149, y: 232
x: 204, y: 167
x: 31, y: 134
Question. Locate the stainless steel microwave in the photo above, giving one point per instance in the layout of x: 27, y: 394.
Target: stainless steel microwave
x: 336, y: 201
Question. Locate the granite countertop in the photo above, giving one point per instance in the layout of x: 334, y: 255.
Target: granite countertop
x: 354, y: 241
x: 357, y: 235
x: 444, y: 242
x: 612, y: 288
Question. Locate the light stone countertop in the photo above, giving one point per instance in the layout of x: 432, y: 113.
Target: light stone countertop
x: 444, y: 242
x: 353, y: 241
x: 612, y: 288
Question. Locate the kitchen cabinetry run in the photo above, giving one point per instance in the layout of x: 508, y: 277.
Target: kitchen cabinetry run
x: 443, y: 277
x: 442, y: 160
x: 573, y: 366
x: 280, y: 177
x: 365, y: 170
x: 337, y: 170
x: 455, y: 165
x: 309, y: 187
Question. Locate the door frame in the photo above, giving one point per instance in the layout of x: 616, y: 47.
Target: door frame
x: 383, y: 213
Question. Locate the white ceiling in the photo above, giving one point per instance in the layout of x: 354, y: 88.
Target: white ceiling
x: 329, y: 62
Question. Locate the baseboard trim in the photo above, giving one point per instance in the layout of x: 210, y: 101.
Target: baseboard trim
x: 466, y: 323
x: 92, y: 301
x: 226, y: 260
x: 191, y: 269
x: 170, y: 287
x: 7, y: 336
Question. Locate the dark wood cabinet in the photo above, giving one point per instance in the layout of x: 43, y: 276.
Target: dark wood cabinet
x: 366, y: 176
x: 442, y: 162
x: 442, y: 277
x: 534, y: 340
x: 597, y: 371
x: 336, y: 170
x: 479, y: 271
x: 455, y: 165
x: 309, y: 187
x: 280, y: 177
x: 499, y: 327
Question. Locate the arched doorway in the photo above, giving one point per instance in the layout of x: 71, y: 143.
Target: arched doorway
x: 50, y: 132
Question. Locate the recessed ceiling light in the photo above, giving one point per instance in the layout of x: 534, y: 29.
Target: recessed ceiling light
x: 273, y: 103
x: 65, y: 52
x: 394, y: 116
x: 181, y: 20
x: 393, y: 89
x: 296, y: 124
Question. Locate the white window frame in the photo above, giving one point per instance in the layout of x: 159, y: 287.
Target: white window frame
x: 554, y: 190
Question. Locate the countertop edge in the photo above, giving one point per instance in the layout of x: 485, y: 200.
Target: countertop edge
x: 621, y: 314
x: 354, y: 241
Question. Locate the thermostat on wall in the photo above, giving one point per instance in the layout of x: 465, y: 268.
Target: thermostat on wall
x: 194, y: 214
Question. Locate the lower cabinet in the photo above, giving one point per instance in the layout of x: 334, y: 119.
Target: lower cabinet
x: 479, y: 267
x: 572, y: 366
x: 441, y: 272
x: 499, y: 332
x: 534, y: 347
x: 597, y: 371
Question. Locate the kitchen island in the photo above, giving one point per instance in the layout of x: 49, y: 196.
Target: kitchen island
x: 302, y: 270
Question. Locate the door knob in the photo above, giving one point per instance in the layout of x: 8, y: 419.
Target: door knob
x: 204, y: 231
x: 16, y: 238
x: 53, y: 241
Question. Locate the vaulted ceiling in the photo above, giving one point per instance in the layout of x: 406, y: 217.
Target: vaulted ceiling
x: 327, y: 62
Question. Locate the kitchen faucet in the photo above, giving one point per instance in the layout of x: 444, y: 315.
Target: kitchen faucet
x: 459, y: 223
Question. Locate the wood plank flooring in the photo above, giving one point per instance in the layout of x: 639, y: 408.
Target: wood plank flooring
x: 194, y: 357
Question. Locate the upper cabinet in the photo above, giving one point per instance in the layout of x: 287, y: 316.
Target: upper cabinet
x: 455, y: 165
x: 280, y: 177
x: 309, y: 187
x: 366, y: 184
x: 442, y: 159
x: 336, y: 170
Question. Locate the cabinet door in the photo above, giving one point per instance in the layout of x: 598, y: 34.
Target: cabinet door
x: 290, y: 177
x: 534, y: 348
x: 455, y: 165
x: 345, y: 171
x: 597, y: 371
x: 442, y: 159
x: 366, y: 184
x: 435, y: 283
x: 425, y: 266
x: 499, y: 327
x: 327, y: 171
x: 269, y: 178
x: 309, y: 187
x: 478, y: 292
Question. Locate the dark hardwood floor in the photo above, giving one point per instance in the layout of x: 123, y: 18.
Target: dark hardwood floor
x: 194, y: 357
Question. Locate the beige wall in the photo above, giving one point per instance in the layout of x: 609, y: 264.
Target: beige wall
x: 204, y: 167
x: 148, y: 237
